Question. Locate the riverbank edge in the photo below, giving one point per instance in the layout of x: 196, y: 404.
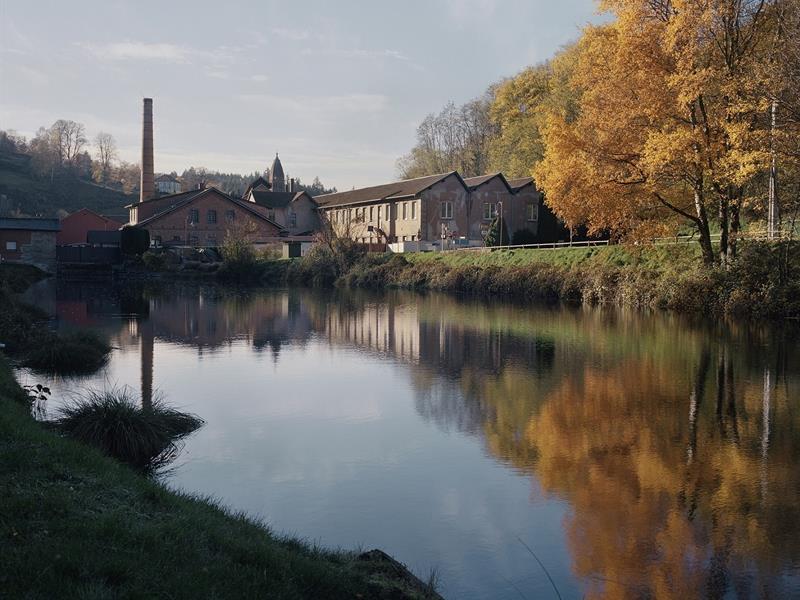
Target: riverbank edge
x: 75, y: 523
x: 763, y: 282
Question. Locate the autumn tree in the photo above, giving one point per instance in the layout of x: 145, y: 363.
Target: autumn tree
x: 106, y: 154
x: 68, y: 138
x: 455, y: 139
x: 668, y: 133
x: 519, y: 111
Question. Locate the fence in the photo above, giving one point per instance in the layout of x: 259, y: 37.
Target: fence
x: 88, y: 255
x: 678, y: 239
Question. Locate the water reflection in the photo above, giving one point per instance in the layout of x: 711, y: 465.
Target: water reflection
x: 674, y: 445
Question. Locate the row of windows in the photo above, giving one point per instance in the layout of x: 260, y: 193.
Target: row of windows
x: 489, y: 211
x: 230, y: 216
x: 402, y: 210
x: 211, y: 216
x: 211, y: 239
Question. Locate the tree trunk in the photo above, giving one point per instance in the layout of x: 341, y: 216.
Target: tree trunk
x: 702, y: 228
x: 735, y: 226
x: 724, y: 217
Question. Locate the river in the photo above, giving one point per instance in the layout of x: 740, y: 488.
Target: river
x: 632, y: 455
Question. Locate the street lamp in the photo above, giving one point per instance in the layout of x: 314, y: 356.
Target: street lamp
x: 500, y: 224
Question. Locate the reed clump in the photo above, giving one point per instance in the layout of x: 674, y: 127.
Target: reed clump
x: 144, y: 437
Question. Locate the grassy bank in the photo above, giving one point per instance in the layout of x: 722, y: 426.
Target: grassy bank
x: 763, y: 281
x: 76, y: 524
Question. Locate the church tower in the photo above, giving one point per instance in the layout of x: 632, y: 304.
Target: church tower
x: 276, y: 176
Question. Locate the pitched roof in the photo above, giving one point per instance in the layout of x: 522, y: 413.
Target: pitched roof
x: 87, y: 211
x: 258, y: 181
x: 30, y: 224
x: 519, y: 183
x: 177, y: 197
x: 275, y: 199
x: 167, y: 177
x: 387, y: 191
x: 475, y: 182
x: 188, y: 199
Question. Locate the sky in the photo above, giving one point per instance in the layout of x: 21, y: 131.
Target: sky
x: 337, y: 88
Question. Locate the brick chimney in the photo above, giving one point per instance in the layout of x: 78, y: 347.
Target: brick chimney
x: 147, y: 187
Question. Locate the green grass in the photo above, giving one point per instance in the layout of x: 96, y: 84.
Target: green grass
x: 17, y: 278
x: 76, y: 524
x: 648, y: 256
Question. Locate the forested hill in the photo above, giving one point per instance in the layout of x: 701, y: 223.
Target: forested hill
x: 24, y: 194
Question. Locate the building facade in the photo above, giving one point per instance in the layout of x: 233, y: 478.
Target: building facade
x: 437, y: 211
x: 76, y: 226
x: 29, y: 241
x: 202, y: 218
x: 295, y: 211
x: 168, y: 184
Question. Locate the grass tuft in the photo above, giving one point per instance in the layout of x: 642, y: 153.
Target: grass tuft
x: 112, y: 421
x: 70, y: 353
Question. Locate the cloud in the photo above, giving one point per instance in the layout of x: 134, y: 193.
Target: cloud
x: 295, y: 35
x: 320, y: 106
x: 32, y: 75
x: 132, y: 51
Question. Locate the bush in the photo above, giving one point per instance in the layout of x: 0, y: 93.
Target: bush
x: 142, y: 437
x: 154, y: 261
x: 239, y: 260
x: 134, y: 240
x: 71, y: 353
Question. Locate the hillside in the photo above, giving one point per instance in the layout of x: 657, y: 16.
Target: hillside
x: 43, y: 197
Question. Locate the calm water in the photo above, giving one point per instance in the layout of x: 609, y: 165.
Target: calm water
x: 636, y: 456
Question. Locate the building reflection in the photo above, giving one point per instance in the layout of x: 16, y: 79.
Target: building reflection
x: 675, y: 444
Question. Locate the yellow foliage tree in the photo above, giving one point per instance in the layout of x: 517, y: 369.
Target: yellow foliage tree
x: 519, y: 110
x: 672, y: 127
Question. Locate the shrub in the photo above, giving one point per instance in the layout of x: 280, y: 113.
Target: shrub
x: 112, y: 421
x: 154, y: 261
x: 20, y: 323
x: 134, y: 240
x: 239, y: 260
x: 70, y: 353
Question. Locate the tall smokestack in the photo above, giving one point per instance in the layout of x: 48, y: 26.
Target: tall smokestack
x: 147, y: 187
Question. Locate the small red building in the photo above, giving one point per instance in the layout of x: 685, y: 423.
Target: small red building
x: 29, y: 241
x: 76, y: 226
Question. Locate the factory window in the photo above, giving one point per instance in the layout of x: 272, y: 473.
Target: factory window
x: 532, y: 212
x: 489, y: 211
x: 292, y: 219
x: 11, y: 246
x: 194, y: 216
x: 370, y: 213
x: 405, y: 208
x: 230, y: 216
x: 211, y: 216
x: 446, y: 210
x: 414, y: 209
